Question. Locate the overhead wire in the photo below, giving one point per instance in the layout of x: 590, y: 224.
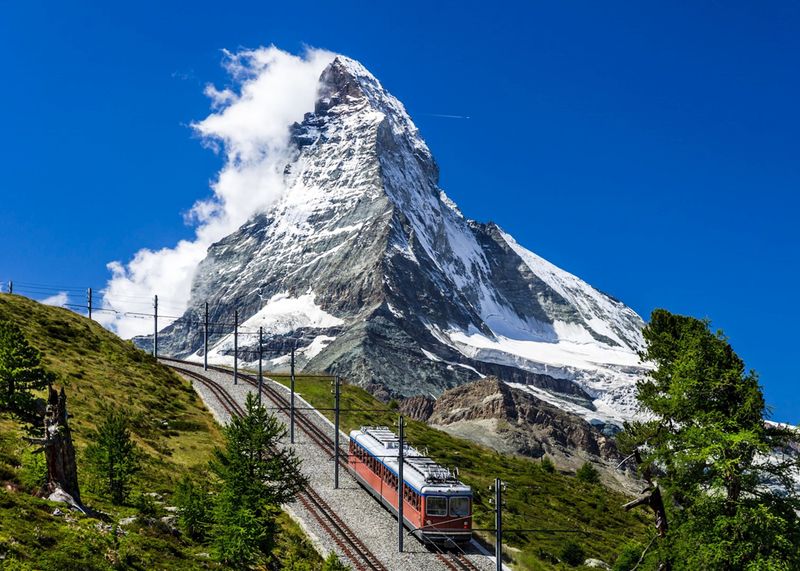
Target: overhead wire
x: 116, y: 297
x: 48, y: 286
x: 112, y: 305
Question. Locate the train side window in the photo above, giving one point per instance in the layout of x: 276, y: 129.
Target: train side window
x: 436, y: 505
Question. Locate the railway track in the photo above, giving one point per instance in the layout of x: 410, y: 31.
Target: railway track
x: 451, y: 560
x: 314, y: 432
x: 456, y: 562
x: 350, y: 544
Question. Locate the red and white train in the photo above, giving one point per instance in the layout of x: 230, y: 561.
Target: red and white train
x: 437, y: 507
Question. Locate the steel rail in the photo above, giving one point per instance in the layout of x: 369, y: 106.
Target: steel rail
x: 352, y: 545
x: 455, y: 561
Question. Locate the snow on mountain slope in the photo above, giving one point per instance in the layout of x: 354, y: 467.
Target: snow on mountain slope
x: 282, y: 314
x: 374, y: 273
x: 601, y: 313
x: 599, y: 351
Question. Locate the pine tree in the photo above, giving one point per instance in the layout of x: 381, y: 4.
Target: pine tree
x: 21, y: 372
x: 113, y: 458
x: 706, y: 448
x: 256, y: 476
x: 588, y: 473
x: 192, y: 501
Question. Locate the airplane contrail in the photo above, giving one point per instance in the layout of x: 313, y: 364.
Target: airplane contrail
x: 447, y: 116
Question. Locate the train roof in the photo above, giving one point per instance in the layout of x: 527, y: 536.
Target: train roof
x: 418, y: 470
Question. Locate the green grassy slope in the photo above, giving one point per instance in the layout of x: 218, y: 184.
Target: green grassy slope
x: 535, y: 499
x: 169, y: 423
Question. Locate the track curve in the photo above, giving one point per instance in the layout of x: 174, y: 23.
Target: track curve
x: 345, y: 538
x: 454, y: 561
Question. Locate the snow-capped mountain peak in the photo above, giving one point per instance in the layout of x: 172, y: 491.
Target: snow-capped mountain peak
x: 417, y: 298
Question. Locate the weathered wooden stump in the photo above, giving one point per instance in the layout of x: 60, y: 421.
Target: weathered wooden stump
x: 59, y: 451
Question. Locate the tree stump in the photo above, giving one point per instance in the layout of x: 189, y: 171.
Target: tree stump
x: 62, y: 469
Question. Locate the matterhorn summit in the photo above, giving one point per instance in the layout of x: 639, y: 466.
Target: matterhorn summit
x: 371, y: 272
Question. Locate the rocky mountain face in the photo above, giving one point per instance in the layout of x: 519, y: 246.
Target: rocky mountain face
x: 372, y: 272
x: 526, y: 425
x: 513, y: 421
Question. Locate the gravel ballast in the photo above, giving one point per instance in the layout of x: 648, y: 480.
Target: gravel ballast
x: 375, y: 526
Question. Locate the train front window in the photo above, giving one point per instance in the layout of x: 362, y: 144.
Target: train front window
x: 459, y: 506
x: 436, y: 505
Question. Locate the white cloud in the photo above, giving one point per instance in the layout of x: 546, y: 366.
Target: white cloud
x: 249, y: 123
x: 59, y: 300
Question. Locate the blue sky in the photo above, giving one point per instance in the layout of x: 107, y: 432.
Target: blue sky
x: 650, y: 148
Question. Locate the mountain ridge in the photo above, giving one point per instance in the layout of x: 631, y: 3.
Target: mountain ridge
x: 373, y: 272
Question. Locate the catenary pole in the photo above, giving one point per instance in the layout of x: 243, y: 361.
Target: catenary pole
x: 10, y: 286
x: 155, y: 326
x: 291, y: 401
x: 260, y: 357
x: 236, y: 347
x: 336, y: 436
x: 205, y: 341
x: 400, y: 483
x: 89, y: 293
x: 498, y: 518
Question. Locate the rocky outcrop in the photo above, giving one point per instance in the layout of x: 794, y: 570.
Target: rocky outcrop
x: 526, y: 425
x: 513, y: 421
x: 418, y: 408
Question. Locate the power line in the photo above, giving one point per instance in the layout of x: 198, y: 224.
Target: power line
x: 172, y: 318
x: 37, y: 289
x: 120, y: 297
x: 49, y: 286
x: 111, y: 304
